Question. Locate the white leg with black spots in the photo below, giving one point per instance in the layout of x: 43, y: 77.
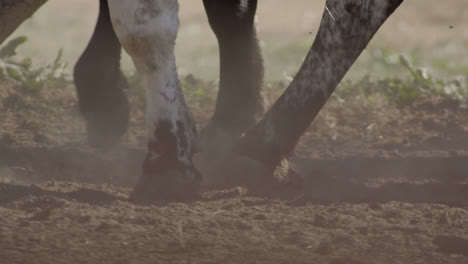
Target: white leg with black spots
x: 147, y: 30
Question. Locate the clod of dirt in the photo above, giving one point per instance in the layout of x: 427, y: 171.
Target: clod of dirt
x: 375, y: 206
x: 452, y: 245
x: 260, y: 217
x: 106, y: 226
x: 43, y: 215
x: 444, y: 219
x: 82, y: 219
x: 243, y: 225
x: 324, y: 248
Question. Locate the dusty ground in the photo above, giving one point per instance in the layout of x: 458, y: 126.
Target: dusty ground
x: 384, y: 183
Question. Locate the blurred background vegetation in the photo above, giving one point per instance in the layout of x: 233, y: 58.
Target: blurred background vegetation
x: 432, y: 34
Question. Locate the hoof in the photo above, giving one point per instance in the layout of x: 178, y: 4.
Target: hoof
x: 260, y: 179
x: 171, y: 185
x: 255, y: 176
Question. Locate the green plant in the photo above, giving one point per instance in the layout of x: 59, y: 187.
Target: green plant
x: 421, y: 84
x: 23, y: 73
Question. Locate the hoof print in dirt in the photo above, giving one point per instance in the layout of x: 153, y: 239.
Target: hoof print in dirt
x: 172, y: 185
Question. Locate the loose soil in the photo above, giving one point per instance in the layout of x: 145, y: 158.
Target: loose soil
x: 384, y: 183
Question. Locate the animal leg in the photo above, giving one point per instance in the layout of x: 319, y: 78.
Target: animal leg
x: 147, y: 30
x: 100, y: 84
x: 239, y: 103
x: 347, y: 27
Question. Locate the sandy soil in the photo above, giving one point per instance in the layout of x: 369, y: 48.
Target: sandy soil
x: 384, y: 183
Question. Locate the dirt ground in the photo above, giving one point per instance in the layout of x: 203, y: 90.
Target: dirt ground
x: 384, y: 183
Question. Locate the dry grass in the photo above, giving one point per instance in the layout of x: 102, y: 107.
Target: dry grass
x: 420, y: 28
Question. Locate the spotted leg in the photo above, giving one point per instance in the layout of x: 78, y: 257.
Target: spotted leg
x: 239, y: 103
x: 347, y: 27
x: 100, y: 84
x: 147, y: 30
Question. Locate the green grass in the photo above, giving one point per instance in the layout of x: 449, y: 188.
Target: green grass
x: 415, y: 83
x: 380, y: 62
x: 24, y: 74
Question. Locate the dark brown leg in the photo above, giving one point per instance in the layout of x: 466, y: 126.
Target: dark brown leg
x: 239, y: 103
x: 100, y: 83
x: 15, y: 12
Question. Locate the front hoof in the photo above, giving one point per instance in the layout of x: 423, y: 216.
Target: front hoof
x: 262, y: 180
x: 172, y: 185
x: 258, y: 178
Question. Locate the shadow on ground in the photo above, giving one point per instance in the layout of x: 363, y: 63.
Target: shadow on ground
x: 413, y: 180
